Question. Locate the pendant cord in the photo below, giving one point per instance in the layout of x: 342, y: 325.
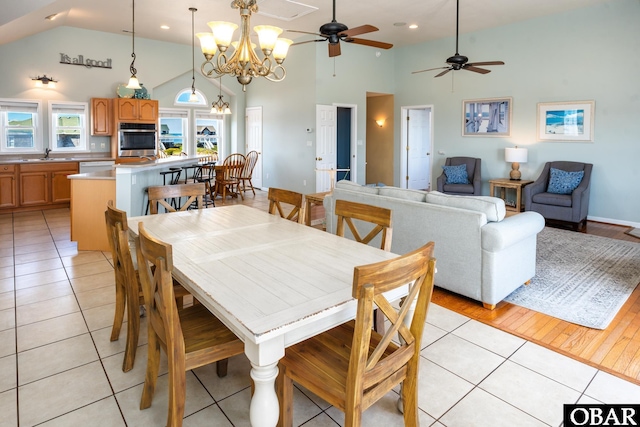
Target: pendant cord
x: 132, y: 69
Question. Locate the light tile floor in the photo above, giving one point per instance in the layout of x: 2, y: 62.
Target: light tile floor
x: 58, y: 367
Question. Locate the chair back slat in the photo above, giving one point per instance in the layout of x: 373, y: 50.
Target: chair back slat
x: 250, y: 164
x: 160, y: 193
x: 278, y: 196
x: 372, y: 361
x: 347, y: 211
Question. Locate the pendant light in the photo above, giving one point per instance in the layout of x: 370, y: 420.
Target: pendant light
x: 220, y: 106
x: 133, y: 80
x: 193, y: 97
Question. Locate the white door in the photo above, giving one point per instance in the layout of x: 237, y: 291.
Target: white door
x: 253, y: 131
x: 326, y: 156
x: 417, y: 146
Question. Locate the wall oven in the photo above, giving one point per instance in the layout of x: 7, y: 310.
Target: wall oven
x: 137, y: 139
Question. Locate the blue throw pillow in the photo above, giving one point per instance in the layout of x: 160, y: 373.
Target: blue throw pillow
x: 456, y: 174
x: 563, y: 182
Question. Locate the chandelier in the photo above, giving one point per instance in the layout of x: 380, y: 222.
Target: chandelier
x: 244, y: 64
x: 220, y: 106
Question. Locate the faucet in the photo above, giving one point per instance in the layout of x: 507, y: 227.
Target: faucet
x: 46, y: 152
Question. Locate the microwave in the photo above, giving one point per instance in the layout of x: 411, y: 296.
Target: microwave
x: 137, y: 139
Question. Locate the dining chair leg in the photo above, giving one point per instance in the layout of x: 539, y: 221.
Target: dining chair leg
x: 222, y: 367
x: 409, y: 393
x: 284, y: 391
x: 119, y: 314
x: 153, y: 367
x: 177, y: 390
x: 251, y: 185
x: 133, y: 332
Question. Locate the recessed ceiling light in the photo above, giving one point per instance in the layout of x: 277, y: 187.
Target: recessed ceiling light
x: 51, y: 17
x: 413, y: 26
x: 399, y: 24
x: 164, y: 27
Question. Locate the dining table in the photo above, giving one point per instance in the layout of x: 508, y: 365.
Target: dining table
x: 273, y: 282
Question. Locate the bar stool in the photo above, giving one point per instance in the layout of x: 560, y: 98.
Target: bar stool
x: 206, y: 178
x: 194, y: 167
x: 173, y: 174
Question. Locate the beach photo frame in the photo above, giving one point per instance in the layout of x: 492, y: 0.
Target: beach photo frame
x: 566, y: 121
x: 487, y: 117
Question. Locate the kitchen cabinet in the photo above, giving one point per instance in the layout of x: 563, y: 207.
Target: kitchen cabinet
x: 101, y: 117
x: 136, y: 110
x: 8, y: 186
x: 46, y: 183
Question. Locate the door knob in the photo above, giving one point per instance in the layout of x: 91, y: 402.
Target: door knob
x: 319, y: 159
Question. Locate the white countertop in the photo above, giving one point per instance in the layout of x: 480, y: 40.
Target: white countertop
x: 105, y: 175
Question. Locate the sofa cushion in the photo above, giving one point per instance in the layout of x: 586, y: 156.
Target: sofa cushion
x: 492, y: 207
x: 402, y: 193
x: 352, y: 186
x: 456, y: 174
x: 458, y: 189
x: 563, y: 182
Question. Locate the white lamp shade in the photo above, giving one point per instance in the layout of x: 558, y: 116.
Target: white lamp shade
x: 267, y: 34
x: 516, y: 154
x: 222, y: 32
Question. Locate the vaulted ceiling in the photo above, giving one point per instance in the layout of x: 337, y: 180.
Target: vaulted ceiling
x: 435, y: 18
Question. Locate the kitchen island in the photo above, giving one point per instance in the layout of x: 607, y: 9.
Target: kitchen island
x: 90, y: 193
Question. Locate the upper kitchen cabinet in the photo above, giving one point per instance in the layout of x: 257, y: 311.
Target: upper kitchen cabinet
x: 101, y: 117
x: 136, y: 110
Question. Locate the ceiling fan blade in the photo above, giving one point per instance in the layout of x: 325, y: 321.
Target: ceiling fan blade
x: 476, y: 69
x: 334, y: 50
x: 381, y: 45
x: 442, y: 73
x: 430, y: 69
x: 309, y: 41
x: 485, y: 63
x: 362, y: 29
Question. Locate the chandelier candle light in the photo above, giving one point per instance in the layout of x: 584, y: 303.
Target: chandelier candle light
x: 244, y: 64
x: 515, y: 156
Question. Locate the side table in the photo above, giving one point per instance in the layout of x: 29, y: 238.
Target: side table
x: 503, y: 184
x: 310, y: 200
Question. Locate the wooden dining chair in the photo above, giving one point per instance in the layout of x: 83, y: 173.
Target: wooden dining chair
x: 228, y: 176
x: 247, y: 171
x: 190, y: 337
x: 278, y: 196
x: 381, y: 218
x: 351, y: 366
x: 347, y: 211
x: 163, y: 194
x: 128, y: 290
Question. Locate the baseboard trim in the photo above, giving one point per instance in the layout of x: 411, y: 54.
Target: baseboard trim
x: 614, y: 221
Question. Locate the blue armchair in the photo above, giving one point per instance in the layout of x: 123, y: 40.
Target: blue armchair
x: 473, y: 172
x: 571, y: 208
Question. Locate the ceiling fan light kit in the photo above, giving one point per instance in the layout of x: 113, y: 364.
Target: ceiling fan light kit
x: 461, y: 62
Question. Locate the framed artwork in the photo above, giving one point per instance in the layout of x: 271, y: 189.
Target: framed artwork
x: 566, y: 121
x: 487, y: 117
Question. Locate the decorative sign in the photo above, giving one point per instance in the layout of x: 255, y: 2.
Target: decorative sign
x: 89, y: 63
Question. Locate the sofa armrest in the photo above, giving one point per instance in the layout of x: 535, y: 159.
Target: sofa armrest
x: 497, y: 236
x: 440, y: 182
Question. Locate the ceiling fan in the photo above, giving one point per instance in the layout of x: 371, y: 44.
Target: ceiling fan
x: 460, y: 62
x: 335, y: 32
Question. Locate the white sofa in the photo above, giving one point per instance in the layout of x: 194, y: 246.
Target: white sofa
x: 480, y: 253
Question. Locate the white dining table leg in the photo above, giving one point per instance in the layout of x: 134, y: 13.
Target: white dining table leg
x: 264, y: 409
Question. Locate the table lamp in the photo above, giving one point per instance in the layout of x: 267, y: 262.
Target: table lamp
x: 515, y: 156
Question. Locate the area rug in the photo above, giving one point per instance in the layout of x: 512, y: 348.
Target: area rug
x: 580, y: 278
x: 635, y: 232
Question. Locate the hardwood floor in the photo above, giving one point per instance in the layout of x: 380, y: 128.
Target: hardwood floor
x: 615, y: 350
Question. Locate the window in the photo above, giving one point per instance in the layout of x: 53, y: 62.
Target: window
x: 68, y: 126
x: 174, y: 125
x: 209, y: 131
x: 20, y: 126
x: 182, y: 98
